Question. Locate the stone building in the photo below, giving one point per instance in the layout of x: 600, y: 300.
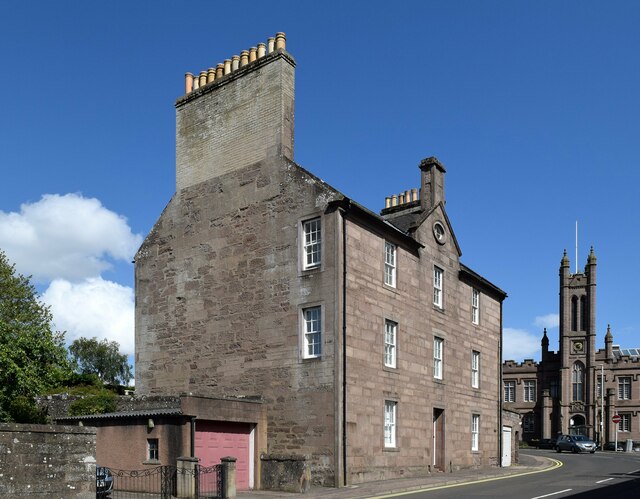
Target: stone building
x: 374, y: 351
x: 563, y: 393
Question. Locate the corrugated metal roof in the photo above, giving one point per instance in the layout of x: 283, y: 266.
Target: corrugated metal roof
x: 174, y: 411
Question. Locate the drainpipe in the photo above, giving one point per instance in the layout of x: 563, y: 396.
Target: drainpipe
x: 500, y: 392
x: 344, y: 343
x: 193, y: 437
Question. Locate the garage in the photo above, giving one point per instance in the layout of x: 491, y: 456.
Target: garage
x: 217, y: 439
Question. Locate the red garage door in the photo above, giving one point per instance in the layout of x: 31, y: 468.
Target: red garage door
x: 217, y: 439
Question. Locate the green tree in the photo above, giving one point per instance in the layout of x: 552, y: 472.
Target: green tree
x: 102, y: 358
x: 33, y: 357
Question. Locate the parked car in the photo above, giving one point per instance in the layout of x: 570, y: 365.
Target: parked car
x: 575, y: 443
x: 104, y: 482
x: 547, y: 443
x: 612, y: 446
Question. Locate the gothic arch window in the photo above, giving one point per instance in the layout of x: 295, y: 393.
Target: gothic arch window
x: 583, y: 313
x: 577, y: 379
x: 574, y: 313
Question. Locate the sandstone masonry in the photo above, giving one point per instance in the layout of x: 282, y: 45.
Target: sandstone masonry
x: 260, y: 280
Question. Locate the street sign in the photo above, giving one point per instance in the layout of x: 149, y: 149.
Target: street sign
x: 616, y: 419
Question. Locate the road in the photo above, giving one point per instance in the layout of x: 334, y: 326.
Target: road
x: 607, y: 475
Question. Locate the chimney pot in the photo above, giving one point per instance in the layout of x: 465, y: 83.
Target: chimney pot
x: 270, y: 44
x: 407, y: 196
x: 261, y: 50
x: 235, y: 62
x: 253, y: 54
x: 219, y: 70
x: 414, y: 194
x: 244, y: 58
x: 227, y: 66
x: 280, y: 41
x: 401, y: 198
x: 387, y: 202
x: 203, y: 78
x: 211, y: 75
x: 196, y: 83
x: 188, y: 83
x: 394, y: 200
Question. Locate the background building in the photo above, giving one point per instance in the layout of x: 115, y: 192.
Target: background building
x: 564, y: 392
x: 375, y: 353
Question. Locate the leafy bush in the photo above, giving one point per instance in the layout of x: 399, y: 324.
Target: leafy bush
x: 24, y: 410
x: 78, y: 384
x: 104, y: 401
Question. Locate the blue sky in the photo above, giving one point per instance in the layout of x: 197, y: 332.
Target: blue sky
x: 532, y: 106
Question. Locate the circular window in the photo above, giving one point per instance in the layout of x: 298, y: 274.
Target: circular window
x: 439, y: 232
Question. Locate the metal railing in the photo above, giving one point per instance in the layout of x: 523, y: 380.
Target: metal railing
x: 165, y: 482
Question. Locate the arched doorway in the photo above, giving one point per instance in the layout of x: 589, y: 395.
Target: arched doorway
x: 577, y: 425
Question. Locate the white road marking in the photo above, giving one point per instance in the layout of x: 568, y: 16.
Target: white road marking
x: 633, y: 472
x: 553, y: 494
x: 605, y: 480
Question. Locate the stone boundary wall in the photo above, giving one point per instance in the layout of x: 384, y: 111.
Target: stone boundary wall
x: 47, y: 461
x: 286, y: 473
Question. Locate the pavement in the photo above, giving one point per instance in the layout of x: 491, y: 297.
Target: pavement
x: 527, y: 464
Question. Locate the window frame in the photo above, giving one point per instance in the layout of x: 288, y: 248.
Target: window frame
x: 438, y: 358
x: 529, y: 387
x: 311, y: 246
x: 475, y: 369
x: 475, y: 306
x: 554, y: 388
x: 390, y: 357
x: 625, y: 422
x: 390, y: 424
x: 153, y: 449
x: 306, y: 321
x: 577, y: 382
x: 390, y: 264
x: 512, y: 390
x: 529, y: 423
x: 624, y: 387
x: 475, y: 432
x: 438, y: 287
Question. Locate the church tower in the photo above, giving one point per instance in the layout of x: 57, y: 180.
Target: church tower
x: 577, y: 346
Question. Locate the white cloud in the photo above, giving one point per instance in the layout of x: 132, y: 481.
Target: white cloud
x: 67, y: 241
x: 548, y: 321
x: 93, y: 308
x: 519, y: 344
x: 65, y: 237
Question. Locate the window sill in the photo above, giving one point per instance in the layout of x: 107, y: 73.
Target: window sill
x: 311, y: 359
x: 390, y: 449
x: 390, y: 369
x: 310, y: 271
x: 154, y: 462
x: 438, y: 309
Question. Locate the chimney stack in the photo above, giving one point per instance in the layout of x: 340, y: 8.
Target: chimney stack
x: 432, y: 188
x: 248, y: 122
